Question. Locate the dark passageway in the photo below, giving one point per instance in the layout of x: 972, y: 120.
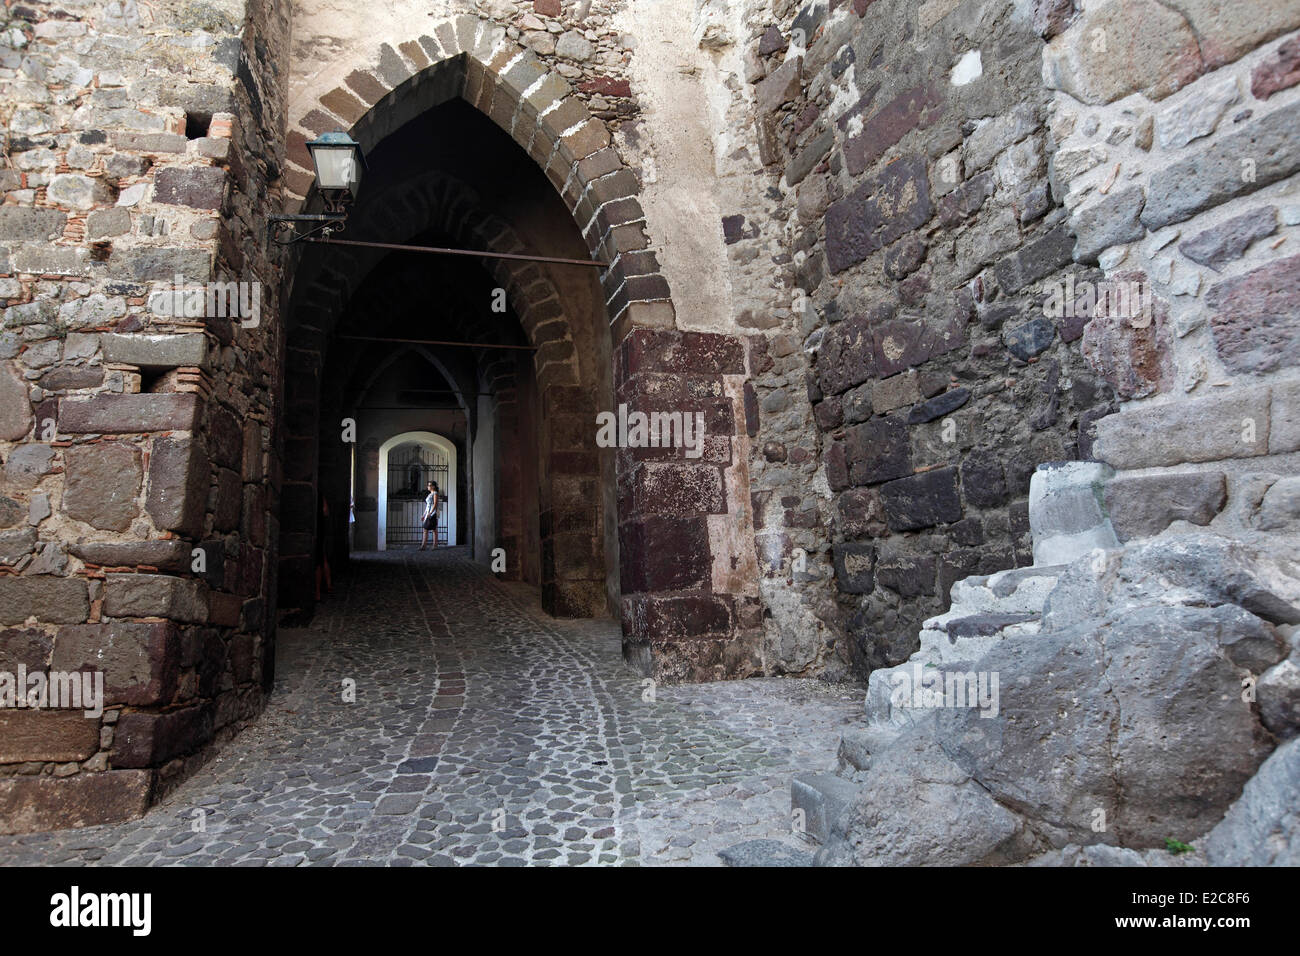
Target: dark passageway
x: 505, y: 415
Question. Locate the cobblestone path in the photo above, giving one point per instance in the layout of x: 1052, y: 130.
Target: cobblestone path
x: 483, y: 732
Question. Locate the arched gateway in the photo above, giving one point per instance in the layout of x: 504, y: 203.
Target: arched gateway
x: 213, y: 454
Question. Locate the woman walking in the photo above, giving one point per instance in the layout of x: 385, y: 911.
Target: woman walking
x: 430, y: 519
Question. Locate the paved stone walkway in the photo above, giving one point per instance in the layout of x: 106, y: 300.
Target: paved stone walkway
x: 483, y: 732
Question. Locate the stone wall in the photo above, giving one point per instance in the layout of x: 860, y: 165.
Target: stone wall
x: 913, y: 380
x: 144, y: 143
x: 1179, y: 164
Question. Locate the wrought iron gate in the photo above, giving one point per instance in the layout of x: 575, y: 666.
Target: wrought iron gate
x: 410, y: 468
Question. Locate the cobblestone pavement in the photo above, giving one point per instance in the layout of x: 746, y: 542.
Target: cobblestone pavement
x: 483, y: 732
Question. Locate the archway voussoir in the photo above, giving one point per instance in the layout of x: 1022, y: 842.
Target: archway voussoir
x: 344, y: 105
x: 467, y: 27
x: 504, y: 104
x: 523, y: 72
x: 600, y: 163
x: 392, y: 69
x: 628, y: 237
x: 490, y: 39
x: 434, y: 50
x: 478, y: 86
x: 319, y: 122
x: 298, y: 181
x: 559, y: 170
x: 550, y: 91
x: 542, y: 146
x: 585, y: 140
x: 368, y: 88
x: 415, y: 54
x: 446, y: 34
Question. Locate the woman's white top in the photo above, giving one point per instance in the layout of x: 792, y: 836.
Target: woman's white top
x: 429, y: 503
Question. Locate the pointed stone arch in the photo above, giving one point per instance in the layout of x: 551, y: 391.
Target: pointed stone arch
x: 475, y: 60
x: 688, y: 596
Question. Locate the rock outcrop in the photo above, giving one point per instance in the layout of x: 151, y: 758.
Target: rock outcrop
x: 1083, y: 713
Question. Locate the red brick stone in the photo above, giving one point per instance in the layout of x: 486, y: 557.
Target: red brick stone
x: 607, y: 86
x: 32, y: 804
x: 678, y: 489
x: 1256, y: 317
x: 664, y: 554
x: 912, y: 109
x: 57, y: 735
x: 1280, y: 71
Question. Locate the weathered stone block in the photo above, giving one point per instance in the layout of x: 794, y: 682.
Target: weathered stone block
x: 1235, y: 425
x: 1030, y: 339
x: 915, y: 108
x: 126, y: 414
x: 103, y: 484
x: 982, y: 480
x: 1228, y: 31
x: 1262, y: 152
x: 32, y: 804
x: 678, y: 489
x: 780, y: 87
x: 24, y: 223
x: 878, y: 212
x: 1114, y: 220
x: 923, y: 500
x: 150, y: 740
x: 939, y: 406
x: 1143, y: 505
x: 156, y: 351
x: 16, y: 416
x: 1256, y: 317
x: 671, y: 619
x: 28, y: 464
x: 140, y: 661
x: 846, y: 358
x: 1039, y: 258
x: 1280, y: 71
x: 822, y: 797
x: 895, y: 392
x: 1229, y: 240
x: 1115, y: 49
x: 170, y: 555
x: 908, y: 575
x: 16, y: 545
x: 178, y: 483
x: 899, y: 344
x: 106, y: 223
x: 854, y: 564
x: 40, y: 735
x: 1284, y: 421
x: 202, y: 187
x: 878, y: 450
x: 155, y: 595
x: 49, y: 599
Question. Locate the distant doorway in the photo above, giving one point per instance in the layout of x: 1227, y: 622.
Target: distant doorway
x: 407, y: 462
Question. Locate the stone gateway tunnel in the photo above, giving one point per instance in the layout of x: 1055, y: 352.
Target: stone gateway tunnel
x: 987, y: 311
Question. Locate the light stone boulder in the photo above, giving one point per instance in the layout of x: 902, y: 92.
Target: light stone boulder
x: 916, y: 808
x: 1130, y: 703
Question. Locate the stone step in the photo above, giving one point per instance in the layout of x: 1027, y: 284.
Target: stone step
x: 1014, y: 591
x: 821, y: 797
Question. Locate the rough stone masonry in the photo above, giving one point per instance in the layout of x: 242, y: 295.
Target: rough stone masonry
x: 876, y: 241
